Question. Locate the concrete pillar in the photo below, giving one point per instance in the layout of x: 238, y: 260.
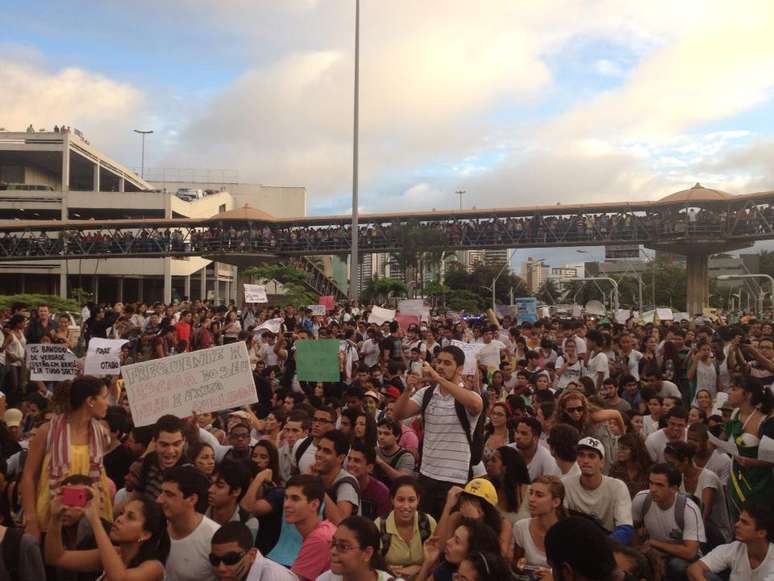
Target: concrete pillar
x: 65, y: 162
x: 187, y: 286
x: 235, y: 284
x: 203, y: 284
x: 167, y: 281
x: 698, y: 283
x: 121, y: 184
x: 216, y: 286
x: 96, y: 288
x: 120, y: 290
x: 96, y: 185
x: 23, y: 284
x: 140, y: 282
x: 63, y: 279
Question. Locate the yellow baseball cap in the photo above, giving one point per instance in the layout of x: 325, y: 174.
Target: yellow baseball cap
x: 482, y: 488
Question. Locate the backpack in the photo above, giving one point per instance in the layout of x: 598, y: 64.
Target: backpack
x: 680, y: 502
x: 11, y: 549
x: 425, y: 532
x: 302, y: 448
x: 475, y: 440
x: 333, y: 491
x: 392, y: 463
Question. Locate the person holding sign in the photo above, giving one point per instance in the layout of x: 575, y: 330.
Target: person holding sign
x: 72, y: 443
x: 446, y: 407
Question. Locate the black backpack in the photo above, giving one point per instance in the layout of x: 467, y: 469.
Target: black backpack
x: 425, y: 532
x: 333, y: 491
x: 302, y: 448
x: 475, y: 440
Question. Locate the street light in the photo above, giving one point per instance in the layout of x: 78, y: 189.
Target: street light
x: 612, y: 281
x: 740, y: 276
x: 493, y: 288
x: 630, y: 269
x: 142, y: 155
x: 354, y: 267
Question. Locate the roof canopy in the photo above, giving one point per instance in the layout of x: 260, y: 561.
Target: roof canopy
x: 243, y: 214
x: 697, y: 193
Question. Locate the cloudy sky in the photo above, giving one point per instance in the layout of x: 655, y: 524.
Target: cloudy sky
x: 514, y: 101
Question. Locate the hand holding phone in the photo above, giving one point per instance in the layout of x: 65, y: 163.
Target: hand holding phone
x: 75, y: 496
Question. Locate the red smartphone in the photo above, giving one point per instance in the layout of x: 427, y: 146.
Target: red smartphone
x: 74, y: 496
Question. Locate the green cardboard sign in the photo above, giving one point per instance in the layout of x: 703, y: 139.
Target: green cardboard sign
x: 317, y: 360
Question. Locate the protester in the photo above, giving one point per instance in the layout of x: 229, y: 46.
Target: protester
x: 233, y: 557
x: 355, y: 552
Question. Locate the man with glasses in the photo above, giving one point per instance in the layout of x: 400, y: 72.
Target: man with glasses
x: 234, y: 558
x: 305, y: 450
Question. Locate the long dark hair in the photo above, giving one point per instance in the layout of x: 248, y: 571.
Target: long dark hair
x: 640, y: 455
x: 157, y: 547
x: 481, y: 537
x: 271, y: 450
x: 489, y: 565
x: 514, y: 475
x: 491, y: 518
x: 369, y: 439
x: 367, y: 535
x: 761, y: 396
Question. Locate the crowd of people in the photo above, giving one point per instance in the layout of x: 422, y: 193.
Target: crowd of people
x: 584, y: 227
x: 568, y: 449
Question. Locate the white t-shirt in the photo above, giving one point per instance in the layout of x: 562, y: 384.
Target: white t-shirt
x: 720, y: 464
x: 580, y: 345
x: 489, y: 355
x: 669, y: 389
x: 307, y: 459
x: 370, y: 351
x: 719, y: 514
x: 445, y: 448
x: 656, y: 443
x: 522, y: 537
x: 662, y: 525
x: 268, y: 355
x: 264, y: 569
x: 542, y: 463
x: 609, y: 503
x: 631, y: 363
x: 331, y: 576
x: 599, y: 364
x: 189, y: 558
x: 734, y: 556
x: 649, y: 425
x: 573, y: 372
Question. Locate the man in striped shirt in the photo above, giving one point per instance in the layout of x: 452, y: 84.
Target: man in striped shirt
x: 446, y: 453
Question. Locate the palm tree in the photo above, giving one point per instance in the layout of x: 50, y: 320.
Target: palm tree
x: 549, y: 292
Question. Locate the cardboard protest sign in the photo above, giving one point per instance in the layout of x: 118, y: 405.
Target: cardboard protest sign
x: 471, y: 355
x: 255, y: 293
x: 273, y: 325
x: 51, y: 362
x: 411, y: 307
x: 317, y: 360
x: 379, y: 315
x: 664, y: 314
x: 622, y: 315
x: 201, y: 381
x: 318, y: 310
x: 327, y: 300
x: 404, y: 321
x: 103, y: 356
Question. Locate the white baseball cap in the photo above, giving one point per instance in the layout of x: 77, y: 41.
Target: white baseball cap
x: 593, y: 444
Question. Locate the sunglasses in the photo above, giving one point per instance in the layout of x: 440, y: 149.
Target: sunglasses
x: 227, y: 559
x: 577, y: 409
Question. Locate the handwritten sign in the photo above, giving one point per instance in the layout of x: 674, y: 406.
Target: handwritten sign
x: 380, y: 316
x: 318, y: 310
x: 328, y: 301
x: 203, y: 381
x: 51, y: 362
x: 471, y: 355
x: 255, y: 293
x: 317, y: 360
x: 104, y: 356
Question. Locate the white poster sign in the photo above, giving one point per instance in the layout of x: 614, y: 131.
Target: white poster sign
x: 104, y: 356
x: 622, y: 315
x: 201, y: 381
x: 273, y: 325
x: 379, y: 315
x: 471, y: 355
x: 255, y: 293
x: 319, y: 310
x: 51, y: 362
x: 664, y: 314
x: 411, y: 307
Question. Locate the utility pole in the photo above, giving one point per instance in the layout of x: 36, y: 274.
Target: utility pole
x: 354, y: 267
x: 142, y: 155
x: 461, y: 193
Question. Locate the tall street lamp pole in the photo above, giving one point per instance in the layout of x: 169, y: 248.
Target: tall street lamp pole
x: 142, y: 155
x: 354, y: 267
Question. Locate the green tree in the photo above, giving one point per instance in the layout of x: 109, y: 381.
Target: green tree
x: 478, y: 283
x: 381, y: 290
x: 420, y: 247
x: 548, y: 292
x: 291, y: 278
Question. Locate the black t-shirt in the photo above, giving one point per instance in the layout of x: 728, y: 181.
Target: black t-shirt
x: 117, y: 463
x: 270, y: 525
